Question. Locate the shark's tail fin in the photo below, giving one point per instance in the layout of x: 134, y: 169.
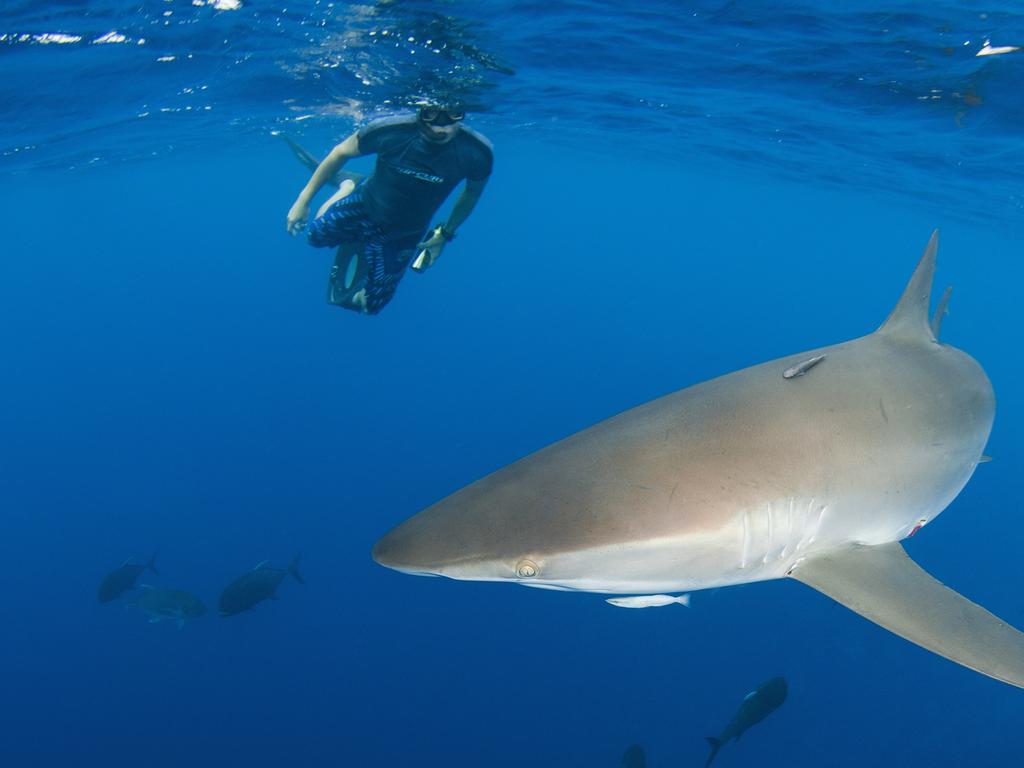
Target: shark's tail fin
x: 311, y: 163
x: 152, y: 564
x: 304, y: 157
x: 293, y: 569
x: 716, y: 744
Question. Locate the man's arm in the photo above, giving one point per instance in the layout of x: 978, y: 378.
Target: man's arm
x: 324, y: 172
x: 430, y: 249
x: 465, y: 204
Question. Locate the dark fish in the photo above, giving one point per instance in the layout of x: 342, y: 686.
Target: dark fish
x: 254, y: 587
x: 174, y: 604
x: 633, y: 758
x: 122, y: 579
x: 754, y: 708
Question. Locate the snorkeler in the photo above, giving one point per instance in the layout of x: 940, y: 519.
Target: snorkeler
x: 379, y: 223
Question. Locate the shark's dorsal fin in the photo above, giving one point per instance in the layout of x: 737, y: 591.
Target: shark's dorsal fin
x: 885, y: 586
x: 909, y: 319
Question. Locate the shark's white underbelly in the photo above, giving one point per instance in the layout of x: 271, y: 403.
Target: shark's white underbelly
x: 758, y: 543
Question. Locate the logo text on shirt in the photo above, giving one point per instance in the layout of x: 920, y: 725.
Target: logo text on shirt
x: 421, y: 175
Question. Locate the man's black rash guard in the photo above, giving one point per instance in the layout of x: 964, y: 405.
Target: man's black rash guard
x: 414, y: 176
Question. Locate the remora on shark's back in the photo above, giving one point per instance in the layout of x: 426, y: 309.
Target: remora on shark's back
x: 752, y: 476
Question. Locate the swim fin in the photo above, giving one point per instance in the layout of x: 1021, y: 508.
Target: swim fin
x: 348, y: 275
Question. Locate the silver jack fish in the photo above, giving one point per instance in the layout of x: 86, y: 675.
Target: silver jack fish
x: 254, y: 587
x: 122, y: 579
x: 754, y: 708
x: 171, y: 604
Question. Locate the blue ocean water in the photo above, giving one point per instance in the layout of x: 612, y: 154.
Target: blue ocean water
x: 680, y: 190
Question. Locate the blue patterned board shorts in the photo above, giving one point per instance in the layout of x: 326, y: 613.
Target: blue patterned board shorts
x: 385, y: 255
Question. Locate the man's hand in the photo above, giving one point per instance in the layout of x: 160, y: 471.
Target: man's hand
x: 429, y: 250
x: 297, y: 216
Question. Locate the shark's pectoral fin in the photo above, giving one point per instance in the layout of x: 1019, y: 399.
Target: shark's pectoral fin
x: 883, y: 584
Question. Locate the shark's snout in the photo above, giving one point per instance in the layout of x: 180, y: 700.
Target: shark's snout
x: 411, y: 548
x: 443, y: 542
x: 395, y: 551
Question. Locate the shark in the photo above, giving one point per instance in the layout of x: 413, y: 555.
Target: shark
x: 812, y: 467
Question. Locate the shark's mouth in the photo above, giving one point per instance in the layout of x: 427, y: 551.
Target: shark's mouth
x: 413, y: 571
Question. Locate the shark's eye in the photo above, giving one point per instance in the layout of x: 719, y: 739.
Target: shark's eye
x: 526, y: 569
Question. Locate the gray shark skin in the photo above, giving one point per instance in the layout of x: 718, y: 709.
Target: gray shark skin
x: 754, y: 708
x: 748, y: 477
